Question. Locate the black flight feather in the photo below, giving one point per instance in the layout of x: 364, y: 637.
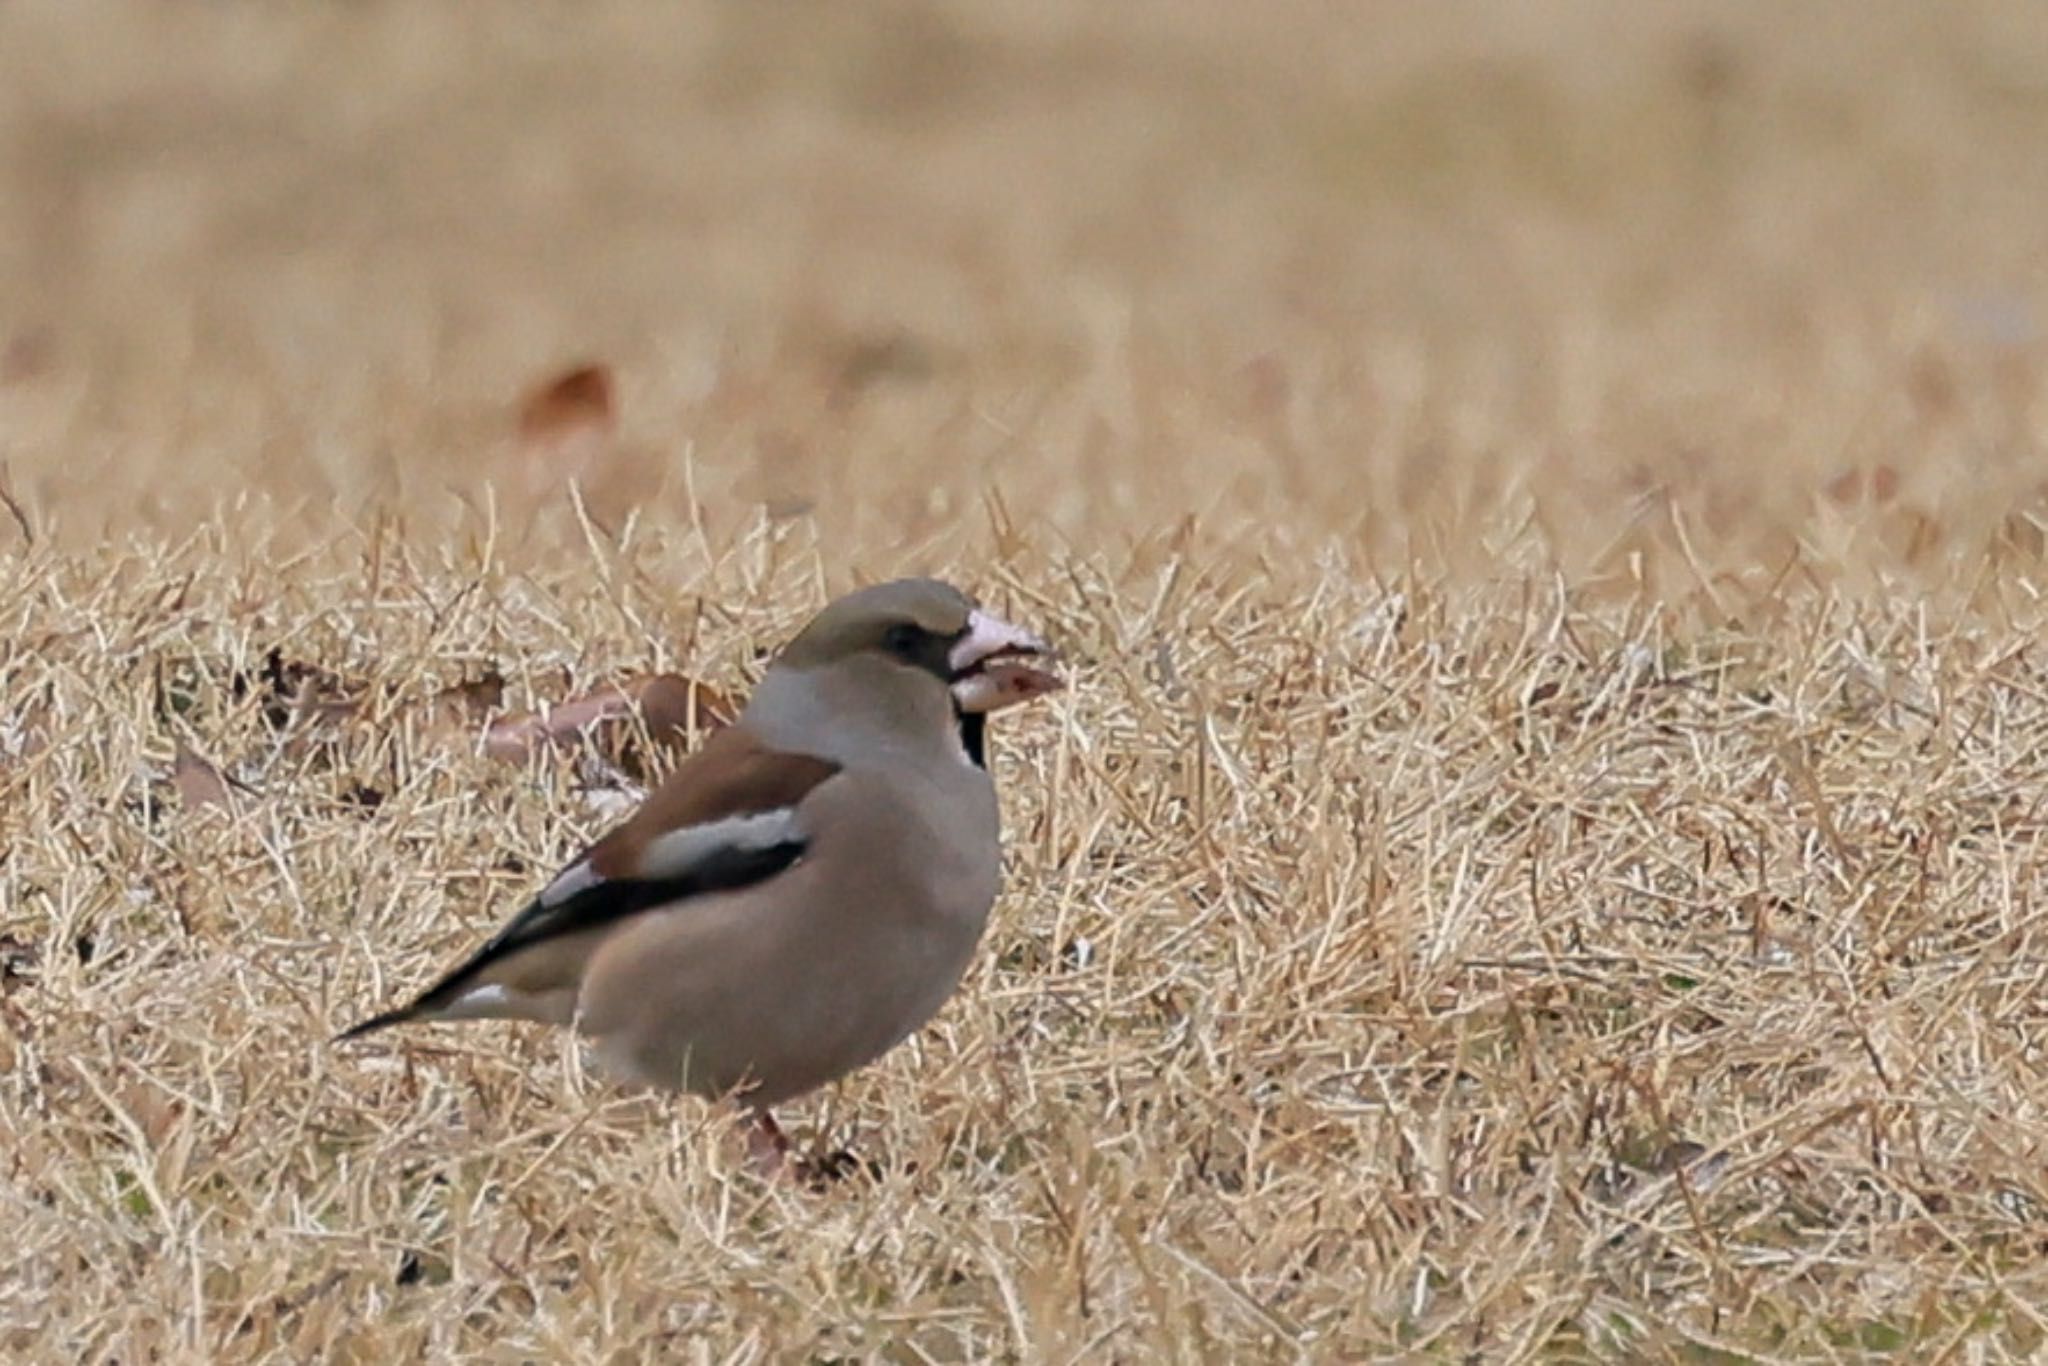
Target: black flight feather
x: 601, y: 904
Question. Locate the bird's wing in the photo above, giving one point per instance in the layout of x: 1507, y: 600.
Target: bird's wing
x: 727, y: 818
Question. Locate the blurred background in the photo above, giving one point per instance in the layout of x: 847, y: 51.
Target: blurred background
x: 1447, y: 282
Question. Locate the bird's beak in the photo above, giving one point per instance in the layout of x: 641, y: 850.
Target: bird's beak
x: 997, y: 665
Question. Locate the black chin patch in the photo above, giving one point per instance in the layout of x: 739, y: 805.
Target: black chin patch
x: 973, y: 736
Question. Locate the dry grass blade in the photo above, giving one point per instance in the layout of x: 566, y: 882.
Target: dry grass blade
x: 24, y: 735
x: 14, y: 507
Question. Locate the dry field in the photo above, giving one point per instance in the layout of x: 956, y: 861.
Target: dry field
x: 1546, y: 504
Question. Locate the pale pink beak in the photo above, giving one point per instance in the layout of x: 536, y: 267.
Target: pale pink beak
x: 997, y: 665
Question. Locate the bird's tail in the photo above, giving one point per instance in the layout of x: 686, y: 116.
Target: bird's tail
x: 402, y: 1015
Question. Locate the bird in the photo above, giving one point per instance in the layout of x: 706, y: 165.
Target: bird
x: 804, y: 892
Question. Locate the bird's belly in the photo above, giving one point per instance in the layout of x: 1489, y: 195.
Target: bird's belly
x: 809, y: 1018
x: 852, y: 1010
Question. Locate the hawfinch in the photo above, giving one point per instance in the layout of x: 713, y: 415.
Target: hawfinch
x: 804, y: 891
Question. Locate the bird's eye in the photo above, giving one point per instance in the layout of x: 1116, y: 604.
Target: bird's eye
x: 902, y: 639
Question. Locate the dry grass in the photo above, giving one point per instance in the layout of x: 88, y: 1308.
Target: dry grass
x: 1542, y: 857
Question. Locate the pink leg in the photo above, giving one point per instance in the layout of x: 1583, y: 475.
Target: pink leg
x: 767, y: 1145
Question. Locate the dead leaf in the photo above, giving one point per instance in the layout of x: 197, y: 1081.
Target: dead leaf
x: 299, y: 692
x: 473, y: 699
x: 568, y: 437
x: 199, y: 783
x: 573, y: 404
x: 669, y: 703
x: 672, y: 702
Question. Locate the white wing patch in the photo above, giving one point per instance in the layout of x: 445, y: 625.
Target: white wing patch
x: 478, y: 1003
x: 674, y: 854
x: 577, y: 877
x: 495, y: 1002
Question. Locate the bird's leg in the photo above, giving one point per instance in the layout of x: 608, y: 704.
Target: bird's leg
x: 767, y: 1145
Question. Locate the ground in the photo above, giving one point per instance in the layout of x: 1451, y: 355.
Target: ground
x: 1541, y: 855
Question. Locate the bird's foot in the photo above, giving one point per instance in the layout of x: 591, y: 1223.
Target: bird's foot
x: 767, y: 1147
x: 827, y: 1168
x: 772, y: 1157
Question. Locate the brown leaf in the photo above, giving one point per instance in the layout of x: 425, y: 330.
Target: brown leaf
x: 602, y: 717
x: 199, y: 783
x: 472, y: 699
x: 297, y: 691
x: 568, y: 438
x: 672, y: 702
x: 517, y: 735
x: 575, y: 403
